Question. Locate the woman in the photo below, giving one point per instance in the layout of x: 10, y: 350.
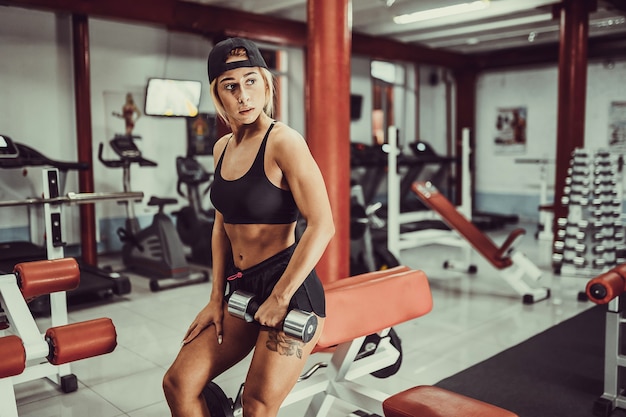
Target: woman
x: 264, y: 176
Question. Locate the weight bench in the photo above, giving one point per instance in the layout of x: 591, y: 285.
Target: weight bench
x: 513, y: 265
x: 354, y: 311
x: 356, y: 307
x: 27, y: 354
x: 427, y: 401
x: 607, y: 289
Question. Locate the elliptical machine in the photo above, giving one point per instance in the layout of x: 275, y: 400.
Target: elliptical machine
x: 155, y: 251
x: 194, y: 224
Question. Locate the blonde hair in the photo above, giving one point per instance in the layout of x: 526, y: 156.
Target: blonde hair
x: 268, y: 78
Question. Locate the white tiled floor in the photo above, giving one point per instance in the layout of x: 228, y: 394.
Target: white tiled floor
x: 474, y: 317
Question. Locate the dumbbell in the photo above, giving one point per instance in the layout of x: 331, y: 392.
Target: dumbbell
x: 297, y: 323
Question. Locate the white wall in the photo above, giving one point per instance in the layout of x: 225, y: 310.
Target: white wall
x: 507, y: 187
x: 535, y: 89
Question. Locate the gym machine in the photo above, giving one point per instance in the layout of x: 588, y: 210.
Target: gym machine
x: 95, y: 281
x: 194, y: 224
x: 398, y: 237
x: 368, y: 252
x: 354, y: 313
x: 15, y: 155
x: 423, y: 158
x: 155, y: 251
x: 26, y: 353
x: 608, y: 289
x: 515, y: 268
x: 369, y: 165
x: 546, y: 208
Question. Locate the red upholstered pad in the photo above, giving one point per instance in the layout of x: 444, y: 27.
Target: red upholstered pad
x: 612, y: 282
x: 427, y: 401
x: 12, y: 356
x: 367, y: 276
x: 359, y: 306
x: 481, y: 242
x: 47, y: 276
x: 82, y: 340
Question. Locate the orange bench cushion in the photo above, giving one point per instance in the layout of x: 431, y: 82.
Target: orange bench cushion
x: 368, y: 303
x: 428, y: 401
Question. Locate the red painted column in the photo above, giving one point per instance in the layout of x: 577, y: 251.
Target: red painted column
x: 328, y: 120
x: 82, y: 92
x: 572, y: 87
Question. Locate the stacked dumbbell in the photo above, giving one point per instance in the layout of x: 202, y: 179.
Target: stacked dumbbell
x: 591, y: 238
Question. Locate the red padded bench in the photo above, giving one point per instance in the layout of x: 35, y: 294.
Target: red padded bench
x: 428, y: 401
x: 499, y: 257
x: 513, y: 265
x: 356, y: 307
x: 28, y: 354
x: 607, y: 286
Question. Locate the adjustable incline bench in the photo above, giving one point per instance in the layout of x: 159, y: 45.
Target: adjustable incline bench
x: 356, y: 308
x: 607, y: 288
x: 513, y: 265
x: 27, y: 354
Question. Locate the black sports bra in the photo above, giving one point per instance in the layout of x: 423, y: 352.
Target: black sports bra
x: 252, y: 198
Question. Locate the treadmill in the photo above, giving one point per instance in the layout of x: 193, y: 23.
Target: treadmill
x: 95, y: 283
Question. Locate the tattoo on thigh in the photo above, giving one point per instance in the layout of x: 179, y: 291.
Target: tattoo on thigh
x: 284, y: 345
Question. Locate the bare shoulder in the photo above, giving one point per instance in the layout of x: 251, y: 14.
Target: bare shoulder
x: 286, y: 139
x: 291, y: 151
x: 219, y: 146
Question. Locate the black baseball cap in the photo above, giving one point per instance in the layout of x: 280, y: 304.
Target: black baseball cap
x: 217, y: 57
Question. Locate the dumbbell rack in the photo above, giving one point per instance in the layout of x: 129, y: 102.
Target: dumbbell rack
x: 590, y: 239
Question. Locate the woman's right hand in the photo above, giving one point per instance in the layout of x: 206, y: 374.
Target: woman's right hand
x: 212, y: 313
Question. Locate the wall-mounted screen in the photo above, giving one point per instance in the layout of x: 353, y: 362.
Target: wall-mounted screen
x: 172, y: 98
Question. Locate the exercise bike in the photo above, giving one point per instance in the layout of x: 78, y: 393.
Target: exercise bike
x: 367, y: 252
x: 194, y: 224
x: 155, y: 251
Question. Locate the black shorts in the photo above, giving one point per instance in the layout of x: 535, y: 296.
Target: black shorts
x: 261, y: 278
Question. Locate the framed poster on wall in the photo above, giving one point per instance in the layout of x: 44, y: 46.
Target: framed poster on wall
x: 201, y: 134
x: 617, y: 126
x: 510, y: 130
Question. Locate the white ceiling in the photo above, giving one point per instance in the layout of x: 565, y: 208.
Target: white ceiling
x: 504, y: 24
